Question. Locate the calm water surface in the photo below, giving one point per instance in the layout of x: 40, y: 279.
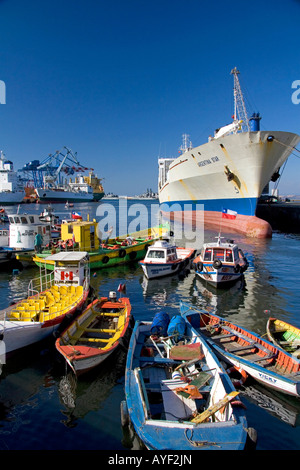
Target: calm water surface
x: 43, y: 406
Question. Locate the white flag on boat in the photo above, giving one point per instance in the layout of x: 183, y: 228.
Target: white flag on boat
x: 228, y: 214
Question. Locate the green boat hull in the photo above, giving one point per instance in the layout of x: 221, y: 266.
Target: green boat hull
x: 103, y: 258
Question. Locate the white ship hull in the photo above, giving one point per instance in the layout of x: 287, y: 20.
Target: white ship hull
x: 226, y: 173
x: 50, y: 195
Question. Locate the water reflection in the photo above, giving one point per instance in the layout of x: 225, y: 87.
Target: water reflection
x: 81, y: 395
x: 284, y: 408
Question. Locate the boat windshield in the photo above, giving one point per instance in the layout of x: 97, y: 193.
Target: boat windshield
x: 222, y: 254
x: 156, y: 254
x: 218, y: 254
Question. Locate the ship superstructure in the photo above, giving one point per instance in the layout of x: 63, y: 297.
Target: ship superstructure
x: 11, y: 191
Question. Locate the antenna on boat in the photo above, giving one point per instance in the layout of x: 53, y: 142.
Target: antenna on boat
x: 240, y: 111
x: 219, y: 238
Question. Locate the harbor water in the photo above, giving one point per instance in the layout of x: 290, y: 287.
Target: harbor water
x: 44, y: 407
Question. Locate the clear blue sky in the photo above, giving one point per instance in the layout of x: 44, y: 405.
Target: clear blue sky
x: 120, y: 81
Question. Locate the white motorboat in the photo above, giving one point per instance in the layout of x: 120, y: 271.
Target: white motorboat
x: 164, y: 259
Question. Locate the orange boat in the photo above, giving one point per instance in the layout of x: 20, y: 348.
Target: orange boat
x: 96, y: 333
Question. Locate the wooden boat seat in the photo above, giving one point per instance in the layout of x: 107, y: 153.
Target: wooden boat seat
x: 93, y: 340
x: 264, y: 358
x: 224, y: 336
x: 158, y: 359
x: 100, y: 330
x: 242, y: 348
x: 110, y: 314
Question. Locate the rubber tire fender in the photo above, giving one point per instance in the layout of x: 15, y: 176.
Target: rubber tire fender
x: 199, y: 266
x: 132, y: 255
x: 217, y: 264
x: 122, y: 253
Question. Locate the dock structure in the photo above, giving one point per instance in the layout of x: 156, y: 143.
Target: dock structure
x: 283, y: 216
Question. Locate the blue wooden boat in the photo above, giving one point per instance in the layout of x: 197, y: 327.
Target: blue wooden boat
x: 247, y: 351
x: 178, y: 396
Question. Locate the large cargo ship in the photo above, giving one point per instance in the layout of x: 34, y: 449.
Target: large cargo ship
x: 83, y: 189
x: 219, y: 183
x: 52, y: 179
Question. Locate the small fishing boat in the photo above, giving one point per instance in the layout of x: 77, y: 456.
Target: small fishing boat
x: 84, y: 236
x: 47, y: 215
x: 22, y: 232
x: 178, y: 396
x: 220, y: 264
x: 96, y: 333
x: 164, y: 258
x: 284, y: 336
x: 247, y: 352
x: 51, y: 297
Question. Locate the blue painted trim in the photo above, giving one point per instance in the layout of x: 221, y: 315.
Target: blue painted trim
x: 244, y: 206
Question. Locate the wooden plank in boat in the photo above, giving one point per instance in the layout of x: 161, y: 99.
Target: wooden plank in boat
x: 186, y: 352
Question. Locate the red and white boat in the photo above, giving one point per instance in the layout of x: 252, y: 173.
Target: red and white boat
x: 50, y: 298
x: 220, y: 264
x: 96, y: 333
x: 163, y: 259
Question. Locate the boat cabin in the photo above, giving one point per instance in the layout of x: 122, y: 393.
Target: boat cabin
x: 226, y: 253
x: 161, y: 252
x: 70, y: 268
x: 24, y: 227
x: 82, y: 232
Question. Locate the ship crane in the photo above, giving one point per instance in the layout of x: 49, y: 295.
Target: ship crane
x: 240, y: 112
x: 49, y: 172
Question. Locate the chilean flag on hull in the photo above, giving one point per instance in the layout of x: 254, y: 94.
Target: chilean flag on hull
x: 228, y: 214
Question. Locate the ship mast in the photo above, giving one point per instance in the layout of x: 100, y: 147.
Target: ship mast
x: 240, y: 111
x: 186, y: 143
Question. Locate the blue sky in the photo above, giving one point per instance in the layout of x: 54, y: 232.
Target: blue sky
x: 120, y: 81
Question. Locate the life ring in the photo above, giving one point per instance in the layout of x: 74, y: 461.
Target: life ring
x: 217, y: 264
x: 132, y: 255
x: 105, y: 259
x: 243, y: 374
x: 122, y: 253
x: 199, y: 266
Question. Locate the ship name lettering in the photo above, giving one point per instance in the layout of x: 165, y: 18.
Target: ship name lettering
x: 208, y: 161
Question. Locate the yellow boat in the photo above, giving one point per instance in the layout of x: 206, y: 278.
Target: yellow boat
x: 284, y: 335
x: 50, y: 298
